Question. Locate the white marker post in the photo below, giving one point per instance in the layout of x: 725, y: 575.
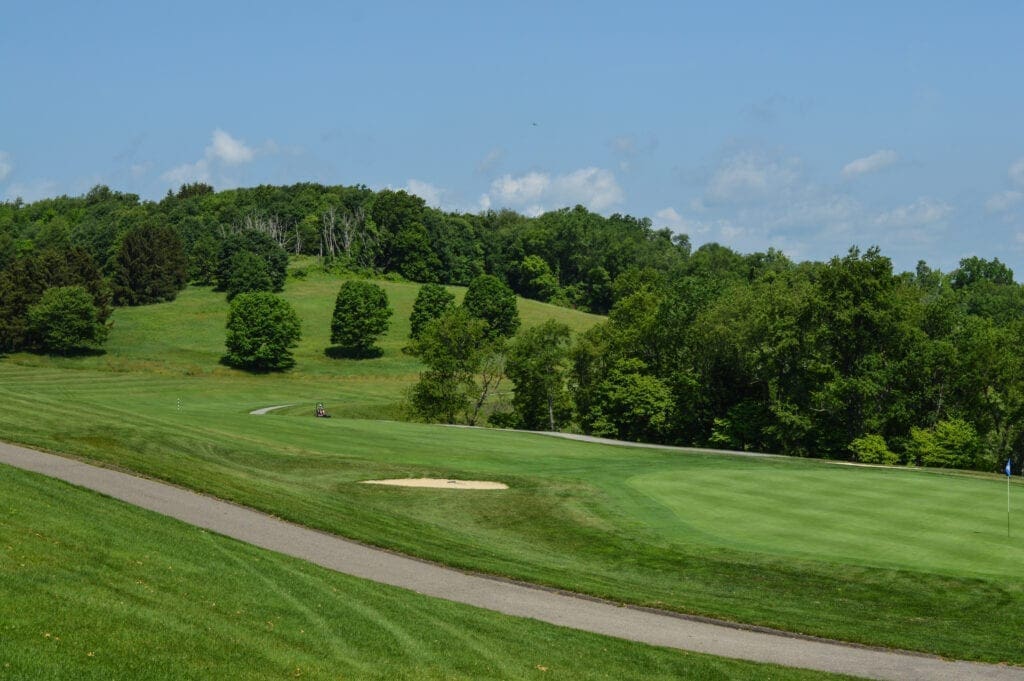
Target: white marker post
x: 1009, y: 472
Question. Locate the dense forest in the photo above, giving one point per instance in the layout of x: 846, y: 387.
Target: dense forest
x: 842, y: 359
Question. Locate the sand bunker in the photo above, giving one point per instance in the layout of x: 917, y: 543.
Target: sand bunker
x: 439, y: 483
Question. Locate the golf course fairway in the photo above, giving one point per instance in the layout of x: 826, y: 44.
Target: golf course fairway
x: 914, y: 559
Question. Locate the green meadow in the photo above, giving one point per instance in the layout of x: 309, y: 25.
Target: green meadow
x: 916, y: 559
x: 96, y: 589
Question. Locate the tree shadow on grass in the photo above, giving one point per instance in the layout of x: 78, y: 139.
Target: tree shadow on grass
x: 72, y: 352
x: 340, y: 352
x: 256, y: 368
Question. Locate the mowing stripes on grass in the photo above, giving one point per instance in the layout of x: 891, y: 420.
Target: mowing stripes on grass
x: 95, y: 589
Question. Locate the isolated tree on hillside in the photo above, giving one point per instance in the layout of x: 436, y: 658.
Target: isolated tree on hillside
x: 150, y: 266
x: 431, y: 302
x: 262, y: 329
x: 489, y: 299
x: 65, y: 319
x: 537, y: 364
x: 361, y: 315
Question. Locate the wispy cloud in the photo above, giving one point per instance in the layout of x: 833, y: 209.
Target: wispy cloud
x: 30, y: 191
x: 6, y: 165
x: 751, y: 176
x: 924, y: 211
x: 671, y: 218
x: 872, y: 163
x: 491, y: 160
x: 426, y: 191
x: 1003, y: 201
x: 535, y: 192
x: 1016, y: 173
x: 188, y: 172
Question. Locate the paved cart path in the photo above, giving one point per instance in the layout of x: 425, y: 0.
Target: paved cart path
x: 522, y: 600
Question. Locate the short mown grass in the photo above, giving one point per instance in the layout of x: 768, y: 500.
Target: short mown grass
x: 95, y: 589
x: 904, y: 558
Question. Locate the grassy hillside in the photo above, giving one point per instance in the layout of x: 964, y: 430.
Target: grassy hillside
x: 185, y: 339
x: 96, y: 589
x: 913, y: 559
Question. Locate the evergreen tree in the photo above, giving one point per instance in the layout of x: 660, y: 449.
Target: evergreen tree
x: 150, y: 266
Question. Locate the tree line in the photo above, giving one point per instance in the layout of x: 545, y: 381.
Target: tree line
x: 844, y: 359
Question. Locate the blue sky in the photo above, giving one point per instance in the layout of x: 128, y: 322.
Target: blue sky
x: 808, y: 127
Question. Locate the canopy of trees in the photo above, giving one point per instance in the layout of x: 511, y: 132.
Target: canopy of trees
x: 843, y: 359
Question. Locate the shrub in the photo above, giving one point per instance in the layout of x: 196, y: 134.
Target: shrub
x: 873, y: 449
x: 949, y: 444
x: 261, y: 331
x: 65, y: 319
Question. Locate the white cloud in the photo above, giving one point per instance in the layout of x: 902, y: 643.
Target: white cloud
x: 1003, y: 201
x: 516, y: 191
x: 491, y: 160
x: 30, y: 191
x: 188, y: 172
x: 670, y: 217
x: 1017, y: 173
x: 595, y: 188
x: 749, y: 176
x: 535, y: 192
x: 426, y: 191
x: 6, y: 165
x: 870, y: 164
x: 924, y: 211
x: 226, y: 148
x: 223, y: 150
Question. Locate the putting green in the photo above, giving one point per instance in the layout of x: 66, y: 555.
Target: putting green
x: 912, y: 519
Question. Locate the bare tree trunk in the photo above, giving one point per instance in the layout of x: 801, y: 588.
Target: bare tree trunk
x: 492, y: 372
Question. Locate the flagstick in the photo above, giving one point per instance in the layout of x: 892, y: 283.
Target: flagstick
x: 1007, y: 506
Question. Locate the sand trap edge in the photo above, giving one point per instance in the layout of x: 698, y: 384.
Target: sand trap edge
x: 438, y: 483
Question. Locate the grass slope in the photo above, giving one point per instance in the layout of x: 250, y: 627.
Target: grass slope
x: 912, y: 559
x: 96, y: 589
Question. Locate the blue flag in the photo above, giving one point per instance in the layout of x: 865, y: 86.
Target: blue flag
x: 1007, y: 469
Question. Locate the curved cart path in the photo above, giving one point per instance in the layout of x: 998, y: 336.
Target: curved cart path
x: 521, y: 600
